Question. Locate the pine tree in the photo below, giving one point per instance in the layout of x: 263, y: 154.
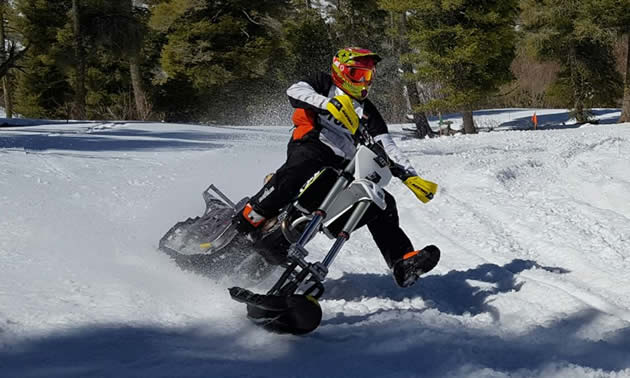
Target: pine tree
x: 71, y: 68
x: 11, y: 52
x: 309, y: 42
x: 79, y: 55
x: 216, y: 42
x: 466, y: 46
x: 564, y: 32
x: 229, y: 51
x: 360, y: 23
x: 364, y: 23
x: 625, y: 113
x: 400, y: 47
x: 119, y: 27
x: 613, y: 15
x: 42, y: 88
x: 5, y: 14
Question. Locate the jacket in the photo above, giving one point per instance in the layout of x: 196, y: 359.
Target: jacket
x: 311, y: 119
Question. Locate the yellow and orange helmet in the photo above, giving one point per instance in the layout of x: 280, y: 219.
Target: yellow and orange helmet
x: 353, y: 71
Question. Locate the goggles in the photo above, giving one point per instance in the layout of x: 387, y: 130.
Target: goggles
x: 360, y: 74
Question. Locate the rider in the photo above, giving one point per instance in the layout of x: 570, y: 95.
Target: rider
x: 328, y: 112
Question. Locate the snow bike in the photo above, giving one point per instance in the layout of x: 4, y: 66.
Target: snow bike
x: 334, y: 202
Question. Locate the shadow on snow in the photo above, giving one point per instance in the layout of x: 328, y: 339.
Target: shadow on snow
x: 113, y: 140
x: 451, y: 293
x: 185, y: 135
x: 550, y: 121
x: 559, y: 120
x: 378, y: 348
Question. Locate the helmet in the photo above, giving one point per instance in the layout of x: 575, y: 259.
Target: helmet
x: 353, y: 70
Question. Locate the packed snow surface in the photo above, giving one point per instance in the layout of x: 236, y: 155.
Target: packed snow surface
x: 534, y: 228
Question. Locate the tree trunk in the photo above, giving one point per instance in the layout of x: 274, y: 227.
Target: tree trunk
x: 143, y: 108
x: 469, y: 123
x: 625, y: 113
x: 142, y: 105
x: 578, y: 97
x: 79, y: 90
x: 578, y: 88
x: 580, y: 114
x: 8, y: 103
x: 419, y: 118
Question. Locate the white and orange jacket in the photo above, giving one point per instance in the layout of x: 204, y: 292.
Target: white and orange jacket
x: 311, y: 119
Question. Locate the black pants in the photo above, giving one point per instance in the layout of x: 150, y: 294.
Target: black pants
x: 304, y: 159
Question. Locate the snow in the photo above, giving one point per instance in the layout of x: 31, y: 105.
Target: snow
x: 521, y: 119
x: 534, y: 228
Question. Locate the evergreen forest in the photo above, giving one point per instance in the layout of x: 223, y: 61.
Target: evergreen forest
x: 230, y: 61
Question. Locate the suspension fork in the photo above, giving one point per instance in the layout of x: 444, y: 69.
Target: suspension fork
x: 299, y: 270
x: 319, y: 214
x: 344, y: 235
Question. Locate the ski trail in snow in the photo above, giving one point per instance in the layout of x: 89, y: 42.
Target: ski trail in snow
x: 586, y: 297
x: 497, y: 230
x: 496, y: 235
x: 50, y: 166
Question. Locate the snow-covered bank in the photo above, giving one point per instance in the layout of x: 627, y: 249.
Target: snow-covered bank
x: 521, y: 118
x: 534, y: 281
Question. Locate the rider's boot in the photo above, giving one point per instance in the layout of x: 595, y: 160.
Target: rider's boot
x: 248, y: 221
x: 412, y: 265
x: 270, y: 244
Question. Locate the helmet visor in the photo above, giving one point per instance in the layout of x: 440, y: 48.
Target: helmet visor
x: 360, y: 75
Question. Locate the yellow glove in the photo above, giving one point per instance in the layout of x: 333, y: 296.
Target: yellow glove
x: 423, y: 189
x: 342, y: 109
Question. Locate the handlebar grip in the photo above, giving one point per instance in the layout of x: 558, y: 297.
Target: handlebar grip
x: 399, y: 171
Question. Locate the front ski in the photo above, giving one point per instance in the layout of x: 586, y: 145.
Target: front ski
x: 295, y: 314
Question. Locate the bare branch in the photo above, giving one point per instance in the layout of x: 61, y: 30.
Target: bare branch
x: 250, y: 19
x: 11, y: 61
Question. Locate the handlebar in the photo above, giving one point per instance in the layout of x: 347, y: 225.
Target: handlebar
x: 397, y: 170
